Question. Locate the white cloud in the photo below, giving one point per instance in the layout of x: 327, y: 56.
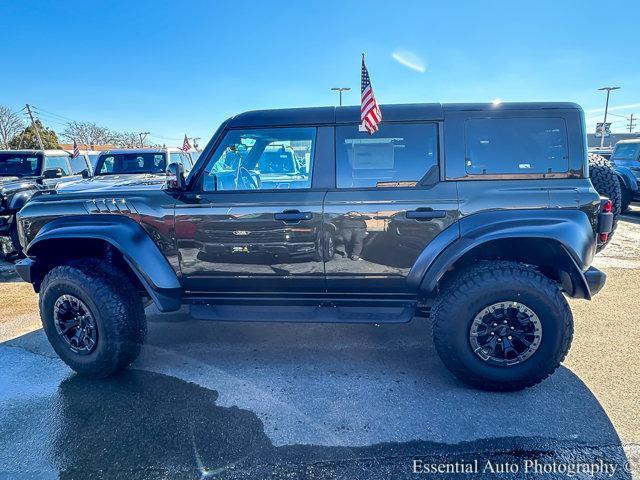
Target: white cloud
x: 409, y: 60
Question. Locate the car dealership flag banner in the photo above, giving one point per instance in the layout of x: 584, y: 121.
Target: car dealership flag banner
x: 370, y: 114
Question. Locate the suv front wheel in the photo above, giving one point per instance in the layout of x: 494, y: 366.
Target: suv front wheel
x: 502, y: 326
x: 92, y: 316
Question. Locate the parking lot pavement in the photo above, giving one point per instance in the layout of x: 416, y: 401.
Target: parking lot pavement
x: 237, y: 400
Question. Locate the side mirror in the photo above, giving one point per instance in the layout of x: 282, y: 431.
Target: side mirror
x: 52, y: 173
x: 175, y: 177
x: 85, y: 173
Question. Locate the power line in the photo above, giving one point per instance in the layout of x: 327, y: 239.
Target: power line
x: 41, y: 110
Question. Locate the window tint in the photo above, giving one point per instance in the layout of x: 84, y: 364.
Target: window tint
x: 78, y: 164
x: 131, y: 163
x: 397, y: 155
x: 61, y: 162
x: 516, y: 145
x: 261, y: 159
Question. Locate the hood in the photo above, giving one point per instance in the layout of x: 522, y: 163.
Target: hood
x: 9, y: 185
x: 102, y: 183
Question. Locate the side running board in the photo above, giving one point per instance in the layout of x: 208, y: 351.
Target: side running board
x: 303, y: 314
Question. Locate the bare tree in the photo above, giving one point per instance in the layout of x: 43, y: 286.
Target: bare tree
x: 127, y: 139
x: 87, y: 133
x: 10, y: 125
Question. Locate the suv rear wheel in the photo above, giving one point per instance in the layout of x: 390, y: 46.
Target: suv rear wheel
x: 502, y: 326
x: 92, y: 316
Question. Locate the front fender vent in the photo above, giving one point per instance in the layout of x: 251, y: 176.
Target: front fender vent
x: 109, y: 205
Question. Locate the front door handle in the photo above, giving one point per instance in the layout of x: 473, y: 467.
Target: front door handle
x: 422, y: 214
x: 293, y: 216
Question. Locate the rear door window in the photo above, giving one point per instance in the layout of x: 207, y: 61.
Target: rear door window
x: 398, y: 155
x: 516, y: 146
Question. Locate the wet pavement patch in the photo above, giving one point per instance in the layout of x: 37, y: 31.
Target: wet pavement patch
x: 143, y: 425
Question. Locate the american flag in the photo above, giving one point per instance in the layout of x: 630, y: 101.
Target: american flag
x: 186, y: 146
x: 76, y: 149
x: 370, y: 113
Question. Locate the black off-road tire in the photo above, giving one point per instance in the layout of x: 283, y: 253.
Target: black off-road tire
x: 482, y: 285
x: 115, y: 305
x: 626, y: 197
x: 16, y: 247
x: 606, y: 183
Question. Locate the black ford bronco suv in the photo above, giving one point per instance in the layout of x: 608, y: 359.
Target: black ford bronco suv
x: 482, y: 215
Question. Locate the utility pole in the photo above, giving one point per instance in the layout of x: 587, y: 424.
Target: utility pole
x: 340, y: 90
x: 631, y: 124
x: 35, y: 127
x: 606, y: 109
x: 143, y: 136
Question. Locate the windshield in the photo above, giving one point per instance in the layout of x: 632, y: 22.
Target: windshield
x: 626, y: 151
x: 122, y: 163
x: 19, y: 164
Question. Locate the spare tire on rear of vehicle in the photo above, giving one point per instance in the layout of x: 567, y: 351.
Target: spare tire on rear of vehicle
x: 606, y: 183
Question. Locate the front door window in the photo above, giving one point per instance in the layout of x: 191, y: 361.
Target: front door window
x: 262, y: 159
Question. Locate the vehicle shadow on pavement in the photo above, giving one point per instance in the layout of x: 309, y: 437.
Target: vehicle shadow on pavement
x: 632, y: 216
x: 8, y: 272
x: 226, y: 400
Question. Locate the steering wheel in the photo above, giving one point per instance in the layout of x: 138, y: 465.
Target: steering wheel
x: 246, y: 180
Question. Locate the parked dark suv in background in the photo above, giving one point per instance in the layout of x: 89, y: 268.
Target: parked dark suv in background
x: 482, y: 215
x: 24, y: 172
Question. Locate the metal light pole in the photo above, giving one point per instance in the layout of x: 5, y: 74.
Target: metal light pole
x: 340, y: 90
x: 606, y: 108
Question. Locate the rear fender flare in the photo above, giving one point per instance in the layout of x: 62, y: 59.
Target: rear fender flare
x: 568, y: 232
x: 127, y: 236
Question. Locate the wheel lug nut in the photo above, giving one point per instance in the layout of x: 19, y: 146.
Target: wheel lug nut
x: 504, y: 321
x: 499, y: 339
x: 509, y: 337
x: 493, y: 333
x: 495, y: 324
x: 513, y: 328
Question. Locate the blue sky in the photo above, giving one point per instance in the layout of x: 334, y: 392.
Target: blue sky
x: 172, y: 67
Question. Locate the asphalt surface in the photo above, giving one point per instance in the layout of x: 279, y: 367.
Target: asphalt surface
x: 237, y: 400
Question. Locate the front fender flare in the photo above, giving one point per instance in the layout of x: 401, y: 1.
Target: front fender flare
x: 569, y: 231
x: 19, y: 199
x: 127, y: 236
x: 627, y: 178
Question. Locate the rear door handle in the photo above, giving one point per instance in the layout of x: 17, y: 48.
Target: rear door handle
x: 293, y: 216
x: 425, y: 214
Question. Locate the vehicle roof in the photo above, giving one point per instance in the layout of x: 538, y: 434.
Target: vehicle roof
x: 34, y: 152
x: 117, y: 151
x: 397, y: 112
x: 629, y: 140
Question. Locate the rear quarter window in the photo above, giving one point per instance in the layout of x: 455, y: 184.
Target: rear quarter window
x: 496, y: 146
